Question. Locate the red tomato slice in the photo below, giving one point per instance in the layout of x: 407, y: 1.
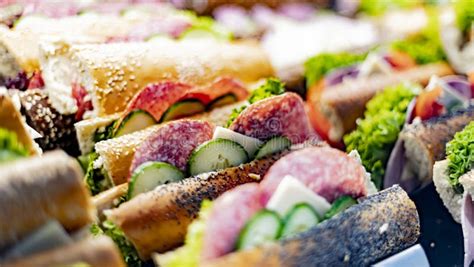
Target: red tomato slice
x: 427, y: 106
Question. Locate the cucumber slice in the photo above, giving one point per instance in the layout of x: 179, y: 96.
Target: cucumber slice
x: 276, y: 144
x: 339, y: 205
x: 152, y: 174
x: 250, y: 144
x: 299, y: 219
x: 135, y: 121
x: 216, y: 154
x: 183, y: 109
x: 221, y: 101
x: 199, y: 33
x: 263, y: 227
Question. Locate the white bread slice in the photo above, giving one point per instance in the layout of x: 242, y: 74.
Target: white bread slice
x: 451, y: 199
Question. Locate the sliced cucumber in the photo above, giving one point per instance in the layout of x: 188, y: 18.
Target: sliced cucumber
x: 276, y: 144
x: 339, y: 205
x: 216, y: 154
x: 183, y: 109
x: 221, y: 101
x: 135, y: 121
x: 250, y: 144
x: 199, y: 33
x: 152, y: 174
x: 299, y: 219
x: 263, y: 227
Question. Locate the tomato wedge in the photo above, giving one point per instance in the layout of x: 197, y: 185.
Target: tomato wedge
x: 427, y: 105
x: 400, y: 60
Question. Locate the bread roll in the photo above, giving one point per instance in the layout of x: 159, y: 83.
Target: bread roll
x: 113, y: 73
x: 35, y: 190
x: 342, y: 104
x: 379, y: 226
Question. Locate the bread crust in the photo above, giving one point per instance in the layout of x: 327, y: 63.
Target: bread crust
x: 95, y: 252
x: 112, y: 74
x: 344, y: 103
x: 37, y: 189
x: 380, y: 225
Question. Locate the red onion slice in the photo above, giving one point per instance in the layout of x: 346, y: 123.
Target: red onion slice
x: 397, y: 160
x: 467, y: 222
x: 459, y: 84
x: 337, y: 76
x: 297, y: 11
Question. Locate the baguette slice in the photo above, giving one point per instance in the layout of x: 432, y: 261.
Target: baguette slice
x: 344, y: 103
x: 35, y: 190
x: 158, y: 220
x: 95, y: 252
x: 425, y: 142
x: 379, y: 226
x: 451, y: 200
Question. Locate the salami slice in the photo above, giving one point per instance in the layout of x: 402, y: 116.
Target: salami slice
x: 329, y: 172
x: 282, y: 115
x: 228, y: 216
x: 220, y: 87
x: 173, y: 143
x: 157, y: 98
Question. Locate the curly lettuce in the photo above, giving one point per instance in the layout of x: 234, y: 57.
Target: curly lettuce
x: 189, y: 254
x: 424, y: 47
x: 377, y: 133
x: 464, y: 15
x: 10, y: 147
x: 96, y: 179
x: 129, y: 253
x: 379, y: 7
x: 318, y: 66
x: 271, y: 87
x: 460, y: 155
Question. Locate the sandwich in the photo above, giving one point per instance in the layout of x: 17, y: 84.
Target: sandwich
x: 48, y: 207
x: 314, y: 206
x: 453, y: 179
x: 113, y: 159
x: 404, y: 130
x: 339, y: 85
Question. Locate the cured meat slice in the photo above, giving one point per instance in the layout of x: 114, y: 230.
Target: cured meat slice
x: 218, y: 88
x: 228, y: 216
x: 329, y: 172
x: 157, y: 98
x: 282, y: 115
x: 173, y: 143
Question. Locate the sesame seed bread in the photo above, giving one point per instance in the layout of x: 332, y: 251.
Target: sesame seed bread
x: 100, y: 251
x: 11, y: 119
x: 19, y: 47
x: 113, y: 73
x: 116, y: 154
x: 342, y: 104
x: 37, y: 189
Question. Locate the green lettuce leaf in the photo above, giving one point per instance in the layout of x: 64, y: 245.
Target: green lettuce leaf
x: 464, y: 14
x: 129, y: 253
x: 460, y: 155
x: 377, y: 133
x: 424, y: 47
x: 271, y: 87
x: 318, y: 66
x: 189, y: 254
x: 379, y: 7
x: 96, y: 179
x: 10, y: 147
